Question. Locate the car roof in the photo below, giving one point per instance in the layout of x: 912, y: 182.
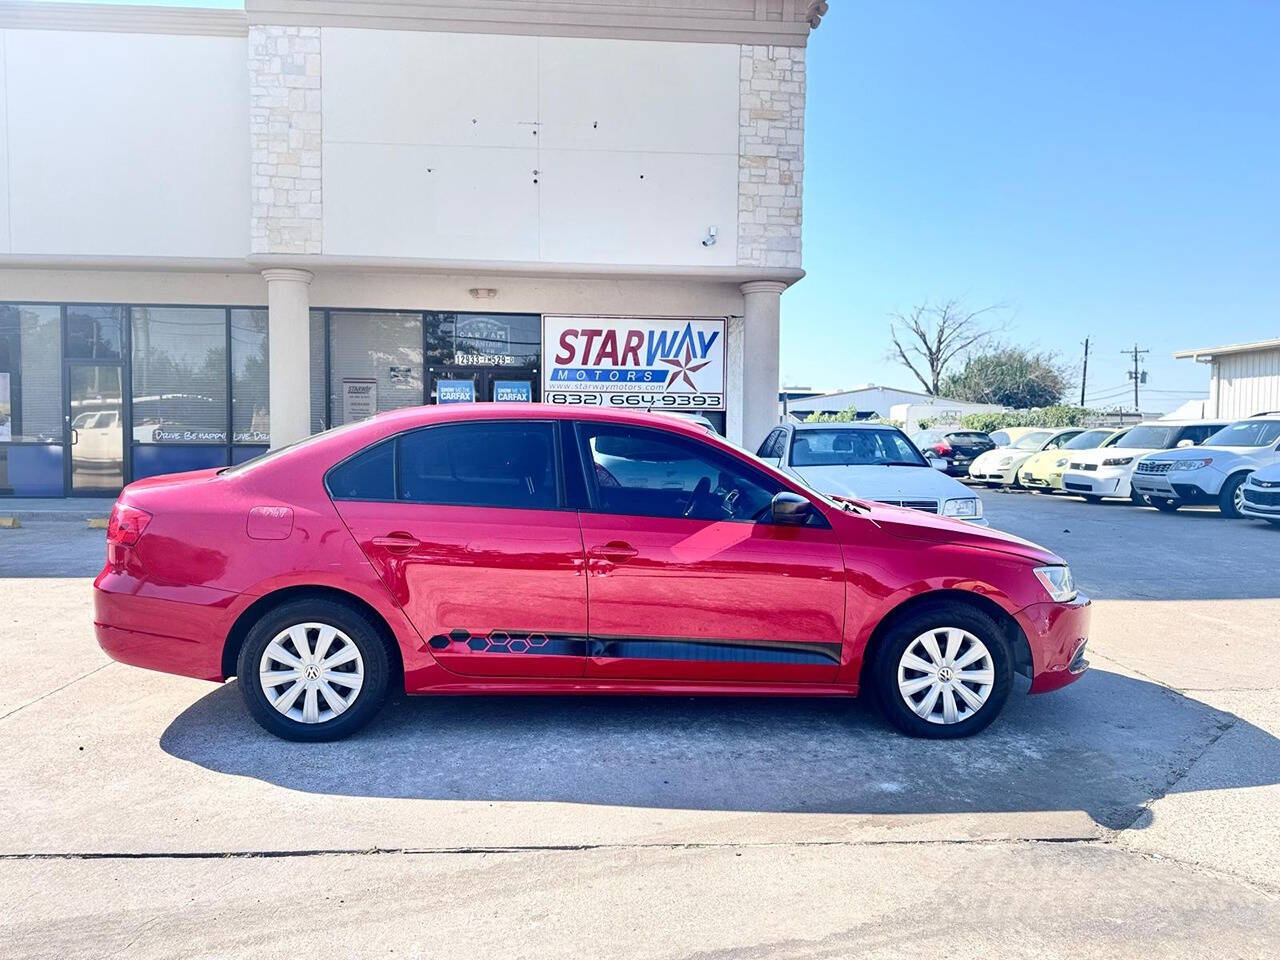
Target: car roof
x: 1183, y: 423
x: 420, y: 416
x: 848, y: 425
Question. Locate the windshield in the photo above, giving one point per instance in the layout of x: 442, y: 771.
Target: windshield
x: 1087, y: 440
x: 1149, y: 436
x: 1033, y: 441
x: 857, y: 447
x: 1246, y: 433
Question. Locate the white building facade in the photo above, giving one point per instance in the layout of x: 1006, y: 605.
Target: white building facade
x: 223, y: 230
x: 1244, y: 378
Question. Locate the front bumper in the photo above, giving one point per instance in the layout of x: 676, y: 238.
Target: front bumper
x: 1185, y: 486
x: 1103, y: 482
x: 989, y: 474
x: 1260, y: 504
x: 1057, y: 634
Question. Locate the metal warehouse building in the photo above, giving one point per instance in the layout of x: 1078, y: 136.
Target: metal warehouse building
x: 222, y: 230
x: 1244, y: 379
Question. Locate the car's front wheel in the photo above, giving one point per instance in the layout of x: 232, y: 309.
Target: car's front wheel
x: 313, y: 670
x: 1164, y: 505
x: 943, y: 672
x: 1231, y: 497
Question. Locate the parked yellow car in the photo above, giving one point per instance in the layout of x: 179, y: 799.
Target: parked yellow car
x: 1043, y: 471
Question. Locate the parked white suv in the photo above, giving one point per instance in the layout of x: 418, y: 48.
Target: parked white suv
x: 1261, y: 495
x: 1106, y: 472
x: 1215, y: 471
x: 868, y: 461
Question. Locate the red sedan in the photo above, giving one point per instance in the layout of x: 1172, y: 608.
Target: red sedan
x: 533, y: 549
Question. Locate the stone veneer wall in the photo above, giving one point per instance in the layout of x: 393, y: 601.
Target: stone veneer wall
x: 285, y: 135
x: 770, y: 155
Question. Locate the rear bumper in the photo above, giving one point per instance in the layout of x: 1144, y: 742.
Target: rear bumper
x: 1057, y: 634
x: 173, y: 629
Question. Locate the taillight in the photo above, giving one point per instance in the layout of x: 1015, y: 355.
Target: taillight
x: 942, y: 449
x: 125, y: 525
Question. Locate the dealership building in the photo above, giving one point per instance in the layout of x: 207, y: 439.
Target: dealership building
x: 226, y: 230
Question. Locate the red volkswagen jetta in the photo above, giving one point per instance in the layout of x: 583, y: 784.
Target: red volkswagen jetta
x: 533, y: 549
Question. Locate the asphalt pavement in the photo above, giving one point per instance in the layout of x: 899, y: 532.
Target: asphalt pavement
x: 1133, y: 813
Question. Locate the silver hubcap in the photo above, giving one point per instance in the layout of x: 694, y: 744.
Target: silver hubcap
x: 311, y: 672
x: 946, y: 675
x: 1239, y: 497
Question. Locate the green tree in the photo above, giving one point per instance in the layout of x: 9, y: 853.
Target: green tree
x: 1010, y: 376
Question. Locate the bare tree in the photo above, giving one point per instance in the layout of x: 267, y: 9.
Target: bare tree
x: 929, y: 336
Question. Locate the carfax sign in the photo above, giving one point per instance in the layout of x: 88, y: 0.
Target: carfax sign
x: 638, y: 363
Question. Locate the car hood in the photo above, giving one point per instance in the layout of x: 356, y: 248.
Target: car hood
x: 883, y: 483
x: 922, y: 527
x: 1107, y: 453
x: 1271, y: 473
x: 992, y: 457
x: 1200, y: 453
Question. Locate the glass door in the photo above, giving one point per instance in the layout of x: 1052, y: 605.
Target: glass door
x: 458, y: 384
x: 95, y: 428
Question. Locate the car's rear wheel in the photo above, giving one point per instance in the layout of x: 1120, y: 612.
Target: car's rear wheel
x: 1231, y: 497
x: 313, y: 670
x: 1164, y: 505
x: 1091, y: 498
x: 944, y: 672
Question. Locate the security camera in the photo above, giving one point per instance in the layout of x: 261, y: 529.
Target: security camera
x: 710, y: 239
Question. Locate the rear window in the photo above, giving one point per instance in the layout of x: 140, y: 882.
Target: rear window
x: 369, y: 475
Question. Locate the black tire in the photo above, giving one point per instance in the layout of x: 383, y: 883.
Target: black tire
x: 363, y: 634
x: 1274, y: 523
x: 1139, y: 499
x: 1227, y: 495
x: 1091, y: 498
x: 903, y: 634
x: 1164, y: 505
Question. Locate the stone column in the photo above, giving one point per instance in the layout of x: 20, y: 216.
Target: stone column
x: 760, y: 329
x: 289, y: 349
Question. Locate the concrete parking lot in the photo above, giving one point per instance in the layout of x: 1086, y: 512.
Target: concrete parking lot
x: 1134, y: 813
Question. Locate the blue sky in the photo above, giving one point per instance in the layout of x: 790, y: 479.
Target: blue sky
x: 1107, y: 169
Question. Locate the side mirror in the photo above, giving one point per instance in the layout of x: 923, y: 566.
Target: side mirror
x: 1188, y: 442
x: 937, y: 464
x: 790, y: 508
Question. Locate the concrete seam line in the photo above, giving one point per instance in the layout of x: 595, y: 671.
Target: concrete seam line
x: 44, y: 696
x: 532, y: 848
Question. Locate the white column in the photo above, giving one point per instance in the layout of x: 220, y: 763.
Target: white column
x: 289, y: 347
x: 760, y: 328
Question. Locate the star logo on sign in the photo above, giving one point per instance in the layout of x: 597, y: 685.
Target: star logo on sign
x: 684, y: 368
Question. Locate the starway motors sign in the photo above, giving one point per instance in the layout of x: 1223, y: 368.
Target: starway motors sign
x: 638, y: 363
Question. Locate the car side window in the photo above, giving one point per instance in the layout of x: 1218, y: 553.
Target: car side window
x: 644, y: 472
x: 369, y: 475
x: 1196, y: 435
x: 481, y: 463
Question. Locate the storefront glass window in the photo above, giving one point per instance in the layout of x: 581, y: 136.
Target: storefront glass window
x: 95, y: 333
x: 375, y: 363
x: 250, y: 420
x: 30, y: 400
x: 486, y: 339
x: 319, y: 376
x: 180, y: 375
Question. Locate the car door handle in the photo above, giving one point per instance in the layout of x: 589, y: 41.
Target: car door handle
x: 616, y: 551
x: 397, y: 542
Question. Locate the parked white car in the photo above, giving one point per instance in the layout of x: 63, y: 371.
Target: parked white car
x: 1215, y: 471
x: 868, y: 461
x: 999, y: 467
x: 1108, y: 472
x: 1260, y: 495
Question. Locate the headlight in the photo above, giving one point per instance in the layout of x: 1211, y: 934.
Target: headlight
x: 1191, y: 464
x: 1005, y: 461
x: 1061, y: 463
x: 1058, y: 583
x: 968, y: 507
x: 1117, y: 461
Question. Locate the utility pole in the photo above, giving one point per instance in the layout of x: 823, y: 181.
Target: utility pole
x: 1136, y: 375
x: 1084, y: 374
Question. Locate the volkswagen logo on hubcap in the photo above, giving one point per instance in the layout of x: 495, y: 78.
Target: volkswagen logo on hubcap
x: 945, y: 674
x: 312, y: 672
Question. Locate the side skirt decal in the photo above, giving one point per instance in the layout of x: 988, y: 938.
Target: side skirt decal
x: 638, y: 648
